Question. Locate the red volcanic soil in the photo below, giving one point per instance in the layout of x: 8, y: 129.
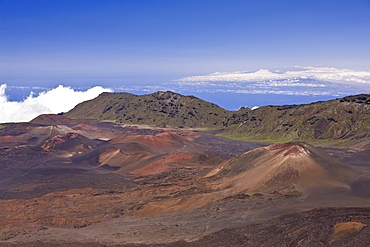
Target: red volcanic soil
x: 167, y: 163
x: 166, y: 141
x: 72, y: 209
x: 37, y: 135
x: 167, y: 187
x: 71, y: 142
x: 8, y: 141
x: 298, y: 164
x: 290, y: 149
x: 143, y: 155
x: 6, y: 138
x: 151, y: 168
x: 53, y: 119
x: 192, y: 159
x: 124, y: 162
x: 139, y: 159
x: 84, y: 127
x: 27, y: 134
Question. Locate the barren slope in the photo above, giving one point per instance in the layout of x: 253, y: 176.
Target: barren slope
x: 279, y: 165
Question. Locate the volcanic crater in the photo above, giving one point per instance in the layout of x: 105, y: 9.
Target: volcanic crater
x: 91, y: 183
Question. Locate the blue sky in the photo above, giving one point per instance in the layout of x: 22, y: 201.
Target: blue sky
x: 150, y: 44
x: 86, y: 42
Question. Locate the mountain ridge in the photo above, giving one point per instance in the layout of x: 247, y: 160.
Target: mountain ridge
x: 159, y: 109
x: 341, y: 119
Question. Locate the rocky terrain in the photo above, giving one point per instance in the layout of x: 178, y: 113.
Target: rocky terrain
x: 82, y: 182
x: 346, y: 118
x: 162, y: 109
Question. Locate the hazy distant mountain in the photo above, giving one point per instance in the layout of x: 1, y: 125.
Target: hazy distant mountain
x: 290, y: 81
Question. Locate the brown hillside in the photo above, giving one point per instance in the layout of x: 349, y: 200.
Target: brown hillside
x: 166, y: 141
x: 71, y: 142
x: 53, y: 119
x: 278, y: 165
x: 148, y: 154
x: 128, y: 161
x: 40, y: 134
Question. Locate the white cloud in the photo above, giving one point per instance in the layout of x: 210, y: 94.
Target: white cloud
x: 296, y: 81
x: 280, y: 92
x: 59, y: 99
x: 326, y: 74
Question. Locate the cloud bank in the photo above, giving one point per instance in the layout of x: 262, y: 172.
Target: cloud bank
x: 309, y: 82
x: 59, y: 99
x: 297, y: 81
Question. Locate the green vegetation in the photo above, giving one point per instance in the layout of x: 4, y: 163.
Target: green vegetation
x: 161, y: 109
x: 347, y: 118
x: 344, y: 118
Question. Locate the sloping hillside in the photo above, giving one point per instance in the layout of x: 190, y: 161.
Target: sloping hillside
x: 279, y: 165
x: 345, y: 118
x: 340, y: 118
x: 163, y: 109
